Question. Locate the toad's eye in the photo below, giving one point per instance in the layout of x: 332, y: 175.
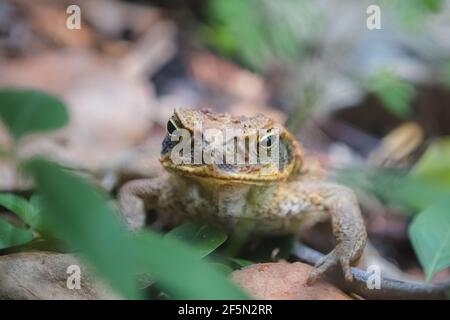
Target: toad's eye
x: 267, y: 140
x: 171, y: 126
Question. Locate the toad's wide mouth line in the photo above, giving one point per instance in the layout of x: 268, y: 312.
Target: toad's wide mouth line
x: 234, y: 178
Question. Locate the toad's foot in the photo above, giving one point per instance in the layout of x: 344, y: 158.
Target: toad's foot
x: 346, y: 254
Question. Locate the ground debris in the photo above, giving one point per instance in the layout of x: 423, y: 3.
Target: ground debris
x: 44, y: 276
x: 285, y: 281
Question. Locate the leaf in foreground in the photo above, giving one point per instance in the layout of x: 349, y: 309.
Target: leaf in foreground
x: 76, y: 213
x: 21, y: 207
x: 11, y: 236
x: 30, y: 111
x: 202, y: 237
x: 434, y: 165
x: 242, y: 263
x: 430, y: 236
x: 179, y: 270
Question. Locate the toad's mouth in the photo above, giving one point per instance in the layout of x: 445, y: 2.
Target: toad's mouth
x: 254, y: 174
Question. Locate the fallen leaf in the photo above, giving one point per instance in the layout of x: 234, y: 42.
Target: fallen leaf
x: 109, y: 111
x: 43, y: 276
x: 284, y: 281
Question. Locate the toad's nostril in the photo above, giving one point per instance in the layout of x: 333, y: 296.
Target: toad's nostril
x: 167, y: 145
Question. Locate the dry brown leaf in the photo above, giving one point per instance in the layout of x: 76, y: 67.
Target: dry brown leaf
x: 286, y: 281
x: 43, y: 276
x: 219, y: 74
x: 111, y: 17
x: 109, y: 112
x: 49, y: 20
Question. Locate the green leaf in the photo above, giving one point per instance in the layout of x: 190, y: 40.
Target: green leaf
x: 395, y: 94
x: 202, y: 237
x: 222, y: 268
x: 257, y: 34
x: 434, y: 165
x: 430, y: 236
x: 11, y: 236
x: 393, y: 186
x: 178, y: 270
x: 241, y: 262
x: 28, y: 111
x: 433, y: 6
x: 20, y: 206
x: 76, y: 213
x: 413, y: 14
x: 415, y: 192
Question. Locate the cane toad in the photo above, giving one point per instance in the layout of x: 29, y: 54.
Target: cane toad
x: 279, y: 197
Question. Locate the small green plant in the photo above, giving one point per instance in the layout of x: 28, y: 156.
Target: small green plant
x: 412, y: 14
x: 394, y: 93
x: 430, y: 229
x: 258, y: 33
x: 77, y: 214
x: 430, y: 236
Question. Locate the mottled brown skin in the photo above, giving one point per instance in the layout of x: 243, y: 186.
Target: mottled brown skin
x: 283, y: 200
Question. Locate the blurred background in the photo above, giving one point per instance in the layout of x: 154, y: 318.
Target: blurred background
x: 373, y: 105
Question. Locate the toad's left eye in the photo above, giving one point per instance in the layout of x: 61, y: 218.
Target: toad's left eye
x: 267, y: 139
x: 171, y: 126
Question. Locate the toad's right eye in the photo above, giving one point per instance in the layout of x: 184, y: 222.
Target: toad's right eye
x: 171, y: 126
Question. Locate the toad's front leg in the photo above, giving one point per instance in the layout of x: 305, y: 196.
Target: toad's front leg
x: 137, y: 195
x: 348, y: 226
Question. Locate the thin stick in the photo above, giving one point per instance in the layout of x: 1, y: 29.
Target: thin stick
x: 389, y: 288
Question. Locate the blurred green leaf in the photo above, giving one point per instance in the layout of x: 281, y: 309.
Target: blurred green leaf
x: 37, y: 205
x: 415, y: 193
x: 241, y: 262
x: 29, y: 111
x: 430, y: 236
x: 393, y: 185
x: 255, y: 31
x: 20, y: 206
x: 202, y: 237
x: 413, y: 14
x: 241, y: 22
x: 433, y: 5
x: 13, y: 236
x: 179, y: 271
x: 434, y: 165
x: 76, y: 213
x: 222, y: 268
x: 219, y: 37
x: 395, y: 94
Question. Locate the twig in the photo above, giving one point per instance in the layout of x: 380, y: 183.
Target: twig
x: 389, y: 288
